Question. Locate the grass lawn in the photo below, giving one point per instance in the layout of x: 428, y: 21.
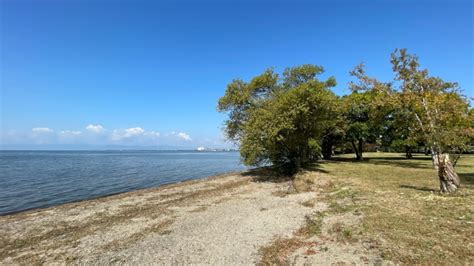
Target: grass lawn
x: 402, y: 210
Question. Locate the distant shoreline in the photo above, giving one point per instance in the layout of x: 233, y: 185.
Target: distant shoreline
x: 131, y: 149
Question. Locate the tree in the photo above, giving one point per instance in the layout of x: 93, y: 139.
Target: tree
x: 398, y: 130
x: 440, y: 114
x: 279, y: 121
x: 365, y: 110
x: 333, y: 135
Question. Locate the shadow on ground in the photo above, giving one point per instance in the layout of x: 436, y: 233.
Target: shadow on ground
x: 405, y: 163
x: 466, y: 178
x: 267, y: 174
x: 427, y: 189
x: 399, y: 161
x: 317, y: 167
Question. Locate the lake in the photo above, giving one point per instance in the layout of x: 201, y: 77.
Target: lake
x: 37, y: 179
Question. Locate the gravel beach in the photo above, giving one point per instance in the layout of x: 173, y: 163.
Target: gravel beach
x: 218, y: 220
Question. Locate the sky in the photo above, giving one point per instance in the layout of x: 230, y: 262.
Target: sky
x: 149, y: 73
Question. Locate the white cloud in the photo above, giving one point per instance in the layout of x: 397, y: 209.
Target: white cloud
x: 133, y: 131
x: 42, y: 135
x: 96, y: 134
x: 127, y: 133
x: 42, y: 130
x: 95, y: 128
x: 184, y: 136
x: 70, y: 133
x: 152, y: 134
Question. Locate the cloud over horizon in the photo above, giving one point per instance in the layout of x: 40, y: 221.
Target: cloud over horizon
x: 41, y: 130
x: 184, y: 136
x: 95, y: 128
x: 97, y: 134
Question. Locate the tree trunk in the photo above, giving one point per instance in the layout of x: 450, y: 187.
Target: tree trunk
x: 361, y: 148
x: 448, y: 179
x: 358, y: 155
x: 434, y: 159
x: 408, y: 153
x: 326, y: 149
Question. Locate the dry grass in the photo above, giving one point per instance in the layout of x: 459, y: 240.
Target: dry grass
x: 199, y: 209
x: 303, y: 182
x: 312, y: 226
x: 394, y: 204
x: 158, y: 228
x: 402, y: 208
x: 277, y: 252
x: 308, y: 203
x: 342, y: 232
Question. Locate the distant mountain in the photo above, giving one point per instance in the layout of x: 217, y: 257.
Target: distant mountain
x: 211, y: 149
x: 91, y: 147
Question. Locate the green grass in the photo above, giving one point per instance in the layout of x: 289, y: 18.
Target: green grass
x: 402, y: 208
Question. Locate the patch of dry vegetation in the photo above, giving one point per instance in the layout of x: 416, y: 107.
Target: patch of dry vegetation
x: 277, y: 252
x: 158, y: 228
x: 312, y: 226
x: 339, y: 200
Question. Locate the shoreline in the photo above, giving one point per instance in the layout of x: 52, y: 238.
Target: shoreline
x: 171, y: 184
x: 184, y: 221
x: 335, y: 214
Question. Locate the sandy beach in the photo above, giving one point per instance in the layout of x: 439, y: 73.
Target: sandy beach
x: 227, y: 219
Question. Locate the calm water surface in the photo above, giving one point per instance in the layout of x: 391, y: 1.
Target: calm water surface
x: 35, y: 179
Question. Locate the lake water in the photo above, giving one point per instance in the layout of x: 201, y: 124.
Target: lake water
x: 36, y: 179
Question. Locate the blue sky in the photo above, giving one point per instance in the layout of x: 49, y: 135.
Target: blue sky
x: 150, y: 73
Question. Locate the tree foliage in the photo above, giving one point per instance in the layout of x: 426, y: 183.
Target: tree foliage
x: 280, y: 121
x: 365, y: 110
x: 291, y: 119
x: 436, y: 112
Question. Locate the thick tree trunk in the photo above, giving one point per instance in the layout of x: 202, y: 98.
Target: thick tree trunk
x: 327, y: 153
x: 326, y: 148
x: 448, y: 179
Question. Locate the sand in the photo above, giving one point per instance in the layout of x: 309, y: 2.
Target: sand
x: 218, y: 221
x: 221, y: 220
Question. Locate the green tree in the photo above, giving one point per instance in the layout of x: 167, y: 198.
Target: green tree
x: 334, y: 134
x: 438, y: 111
x: 398, y: 127
x: 365, y: 110
x: 279, y: 121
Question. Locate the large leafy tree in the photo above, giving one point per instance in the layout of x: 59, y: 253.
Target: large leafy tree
x: 439, y: 114
x: 365, y: 110
x: 334, y: 134
x: 279, y: 120
x: 400, y: 132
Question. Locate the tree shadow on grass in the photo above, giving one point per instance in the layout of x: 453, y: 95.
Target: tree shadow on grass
x: 401, y: 163
x: 427, y: 189
x: 415, y: 162
x: 316, y: 167
x: 466, y: 178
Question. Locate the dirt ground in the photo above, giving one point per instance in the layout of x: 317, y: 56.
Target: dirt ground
x: 230, y: 219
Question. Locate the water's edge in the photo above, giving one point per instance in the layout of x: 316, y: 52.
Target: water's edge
x: 143, y: 190
x: 39, y: 179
